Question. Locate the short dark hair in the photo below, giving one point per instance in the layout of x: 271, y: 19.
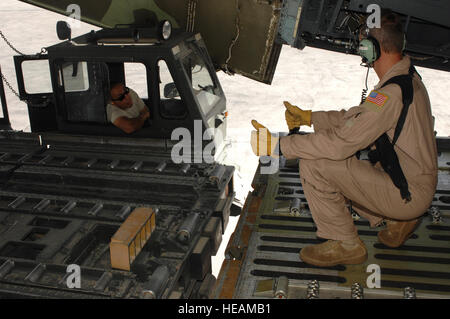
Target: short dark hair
x: 391, y: 35
x: 113, y: 85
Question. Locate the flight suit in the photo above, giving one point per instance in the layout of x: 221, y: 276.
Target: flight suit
x: 332, y: 175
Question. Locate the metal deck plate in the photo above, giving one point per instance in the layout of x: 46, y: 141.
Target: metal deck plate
x: 276, y: 237
x: 61, y: 205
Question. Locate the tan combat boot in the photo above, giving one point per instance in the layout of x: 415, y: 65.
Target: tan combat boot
x: 335, y: 252
x: 397, y: 232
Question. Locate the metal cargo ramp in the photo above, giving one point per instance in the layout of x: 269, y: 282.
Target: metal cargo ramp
x: 262, y: 257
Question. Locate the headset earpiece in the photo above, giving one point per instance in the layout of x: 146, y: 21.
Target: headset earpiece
x: 369, y: 50
x: 376, y: 46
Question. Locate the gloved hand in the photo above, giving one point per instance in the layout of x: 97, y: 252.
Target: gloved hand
x: 263, y: 142
x: 295, y: 116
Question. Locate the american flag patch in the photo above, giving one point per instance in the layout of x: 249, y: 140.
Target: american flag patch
x: 377, y: 98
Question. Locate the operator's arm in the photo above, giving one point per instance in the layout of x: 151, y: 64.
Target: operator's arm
x: 360, y: 127
x: 130, y: 125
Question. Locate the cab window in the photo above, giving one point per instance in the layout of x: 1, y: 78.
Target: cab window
x: 36, y: 76
x: 75, y: 76
x: 205, y: 90
x: 136, y: 78
x: 171, y: 104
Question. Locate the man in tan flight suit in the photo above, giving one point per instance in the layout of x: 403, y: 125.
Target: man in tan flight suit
x: 332, y: 175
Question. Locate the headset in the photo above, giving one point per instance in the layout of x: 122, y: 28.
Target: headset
x: 370, y: 50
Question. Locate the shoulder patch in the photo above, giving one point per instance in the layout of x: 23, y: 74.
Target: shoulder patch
x: 377, y: 98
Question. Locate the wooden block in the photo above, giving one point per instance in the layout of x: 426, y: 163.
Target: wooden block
x: 213, y: 230
x: 127, y: 242
x: 200, y: 259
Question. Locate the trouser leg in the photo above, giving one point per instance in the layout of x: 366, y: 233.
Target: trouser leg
x: 374, y: 219
x: 326, y: 202
x: 327, y: 185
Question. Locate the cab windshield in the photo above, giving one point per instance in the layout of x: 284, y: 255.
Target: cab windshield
x: 203, y: 85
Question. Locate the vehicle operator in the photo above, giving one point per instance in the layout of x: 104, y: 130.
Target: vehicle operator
x: 126, y: 110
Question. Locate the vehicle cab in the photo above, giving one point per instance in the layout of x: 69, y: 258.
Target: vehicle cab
x: 174, y: 77
x: 77, y: 180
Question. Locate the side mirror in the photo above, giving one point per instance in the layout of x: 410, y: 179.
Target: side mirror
x: 170, y: 91
x: 63, y: 30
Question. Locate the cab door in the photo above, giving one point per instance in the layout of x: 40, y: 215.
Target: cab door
x: 35, y: 88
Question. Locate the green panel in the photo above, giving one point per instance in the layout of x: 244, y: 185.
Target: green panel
x: 108, y: 13
x: 240, y: 34
x: 219, y: 21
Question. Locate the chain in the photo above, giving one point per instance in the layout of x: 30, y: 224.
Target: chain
x: 9, y: 44
x: 1, y: 74
x: 43, y: 51
x: 9, y: 85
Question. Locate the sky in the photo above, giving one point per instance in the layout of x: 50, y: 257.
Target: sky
x: 313, y: 79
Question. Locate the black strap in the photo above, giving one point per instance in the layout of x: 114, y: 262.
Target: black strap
x: 405, y: 83
x: 385, y: 152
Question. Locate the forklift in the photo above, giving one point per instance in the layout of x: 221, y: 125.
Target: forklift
x: 88, y: 211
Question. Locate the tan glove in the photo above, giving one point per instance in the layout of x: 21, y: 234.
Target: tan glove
x: 295, y: 116
x: 262, y: 141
